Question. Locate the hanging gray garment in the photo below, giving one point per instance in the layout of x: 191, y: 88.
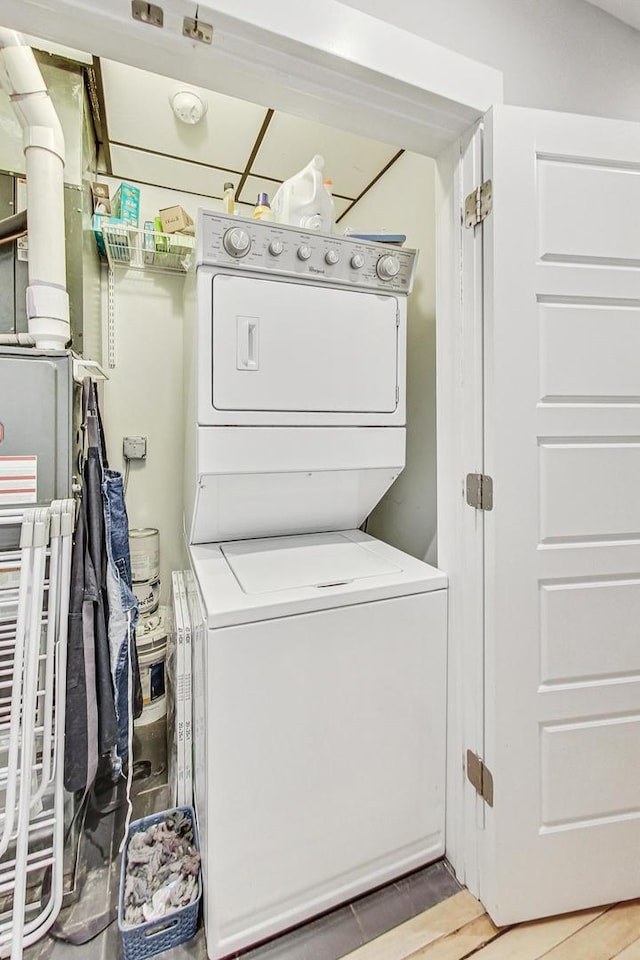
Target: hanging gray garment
x: 81, y: 718
x: 91, y: 726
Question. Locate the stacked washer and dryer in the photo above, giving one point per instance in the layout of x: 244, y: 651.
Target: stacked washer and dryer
x: 319, y: 665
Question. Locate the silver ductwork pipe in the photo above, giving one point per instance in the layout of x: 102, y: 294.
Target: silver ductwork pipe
x: 47, y: 297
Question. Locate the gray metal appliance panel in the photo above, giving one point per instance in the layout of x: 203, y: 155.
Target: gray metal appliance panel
x: 36, y: 396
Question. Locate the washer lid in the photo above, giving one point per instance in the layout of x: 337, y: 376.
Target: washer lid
x: 285, y: 563
x: 245, y: 581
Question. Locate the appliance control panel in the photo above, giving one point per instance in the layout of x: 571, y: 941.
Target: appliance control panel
x: 274, y: 248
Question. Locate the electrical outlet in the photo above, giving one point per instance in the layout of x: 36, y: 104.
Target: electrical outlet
x: 134, y: 448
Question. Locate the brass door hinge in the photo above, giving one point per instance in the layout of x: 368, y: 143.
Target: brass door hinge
x: 480, y: 777
x: 478, y: 205
x: 479, y: 489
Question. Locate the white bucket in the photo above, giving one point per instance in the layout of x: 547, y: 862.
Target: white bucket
x: 144, y: 547
x: 151, y: 644
x: 147, y: 593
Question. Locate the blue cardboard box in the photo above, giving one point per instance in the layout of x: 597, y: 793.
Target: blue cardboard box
x: 125, y: 204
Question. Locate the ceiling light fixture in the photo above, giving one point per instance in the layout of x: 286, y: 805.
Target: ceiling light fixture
x: 188, y: 106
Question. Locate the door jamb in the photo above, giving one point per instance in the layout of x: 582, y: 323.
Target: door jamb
x: 459, y: 338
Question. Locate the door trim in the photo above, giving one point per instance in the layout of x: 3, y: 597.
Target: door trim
x: 459, y: 319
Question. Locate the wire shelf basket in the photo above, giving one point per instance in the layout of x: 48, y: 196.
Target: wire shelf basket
x: 147, y: 249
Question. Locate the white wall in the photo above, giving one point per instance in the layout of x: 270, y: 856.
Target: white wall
x: 555, y: 54
x: 143, y: 397
x: 144, y: 394
x: 403, y: 201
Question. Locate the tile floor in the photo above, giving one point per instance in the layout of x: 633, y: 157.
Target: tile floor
x: 326, y: 938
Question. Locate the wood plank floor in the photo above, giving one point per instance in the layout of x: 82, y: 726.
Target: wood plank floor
x: 459, y: 928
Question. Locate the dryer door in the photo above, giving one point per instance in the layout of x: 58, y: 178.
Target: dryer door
x: 286, y: 346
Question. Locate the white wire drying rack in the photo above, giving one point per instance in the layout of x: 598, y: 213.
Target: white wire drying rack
x: 34, y: 607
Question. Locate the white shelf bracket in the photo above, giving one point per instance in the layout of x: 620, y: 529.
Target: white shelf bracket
x: 111, y: 319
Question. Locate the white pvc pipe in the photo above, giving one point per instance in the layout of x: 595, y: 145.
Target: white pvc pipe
x: 17, y: 339
x: 47, y: 298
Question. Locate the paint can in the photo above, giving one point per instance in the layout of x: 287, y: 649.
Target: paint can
x: 147, y: 593
x: 151, y: 645
x: 144, y: 547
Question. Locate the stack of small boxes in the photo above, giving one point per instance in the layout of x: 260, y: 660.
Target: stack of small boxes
x: 115, y: 218
x: 168, y: 250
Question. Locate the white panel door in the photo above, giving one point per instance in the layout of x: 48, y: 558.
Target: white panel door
x: 562, y: 443
x: 298, y: 347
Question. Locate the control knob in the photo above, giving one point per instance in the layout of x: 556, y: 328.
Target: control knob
x: 304, y: 252
x: 332, y: 257
x: 357, y: 261
x: 276, y: 247
x: 236, y: 242
x: 388, y: 267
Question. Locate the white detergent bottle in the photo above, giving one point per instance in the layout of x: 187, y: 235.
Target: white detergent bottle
x: 303, y: 200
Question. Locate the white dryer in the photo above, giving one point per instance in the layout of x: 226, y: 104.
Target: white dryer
x: 295, y: 369
x: 319, y: 665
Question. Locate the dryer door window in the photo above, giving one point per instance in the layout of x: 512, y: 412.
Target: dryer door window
x: 286, y: 346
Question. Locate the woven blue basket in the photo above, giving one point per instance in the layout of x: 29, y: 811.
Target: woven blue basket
x: 154, y: 936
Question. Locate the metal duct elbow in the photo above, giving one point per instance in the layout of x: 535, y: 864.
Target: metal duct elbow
x: 47, y: 298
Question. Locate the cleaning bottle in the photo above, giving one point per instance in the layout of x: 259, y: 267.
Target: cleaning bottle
x: 229, y: 198
x: 303, y: 200
x: 262, y: 209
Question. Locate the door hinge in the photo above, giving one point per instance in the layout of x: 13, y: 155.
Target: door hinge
x: 147, y: 12
x: 480, y: 491
x: 479, y: 204
x: 480, y: 777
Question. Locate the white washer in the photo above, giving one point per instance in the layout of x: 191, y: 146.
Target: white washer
x: 319, y: 671
x: 319, y: 684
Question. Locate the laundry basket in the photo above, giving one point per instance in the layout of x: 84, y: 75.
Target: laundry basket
x: 152, y: 937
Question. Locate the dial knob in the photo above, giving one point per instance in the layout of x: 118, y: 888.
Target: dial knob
x: 276, y: 247
x: 332, y: 257
x: 304, y: 253
x: 388, y: 267
x: 236, y: 242
x: 357, y: 261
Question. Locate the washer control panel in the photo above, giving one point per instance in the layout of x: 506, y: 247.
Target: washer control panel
x: 274, y: 248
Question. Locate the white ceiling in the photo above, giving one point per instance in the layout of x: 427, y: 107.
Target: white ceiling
x: 254, y: 147
x: 626, y: 10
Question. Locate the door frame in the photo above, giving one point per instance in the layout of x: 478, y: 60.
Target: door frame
x: 460, y: 450
x: 325, y: 62
x: 307, y: 61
